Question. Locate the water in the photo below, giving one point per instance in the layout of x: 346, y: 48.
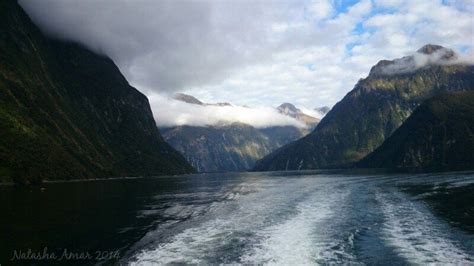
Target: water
x: 267, y: 218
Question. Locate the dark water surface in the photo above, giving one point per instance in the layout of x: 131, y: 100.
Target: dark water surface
x: 275, y: 218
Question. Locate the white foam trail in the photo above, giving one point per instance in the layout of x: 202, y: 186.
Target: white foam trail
x: 189, y: 247
x: 299, y: 240
x: 416, y: 234
x: 245, y: 211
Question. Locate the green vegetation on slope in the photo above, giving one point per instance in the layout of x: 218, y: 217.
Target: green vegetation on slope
x: 67, y: 113
x: 234, y: 147
x: 439, y: 135
x: 366, y: 116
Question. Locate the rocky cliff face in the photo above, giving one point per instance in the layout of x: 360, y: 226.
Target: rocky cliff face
x: 373, y: 110
x: 439, y: 135
x: 68, y: 113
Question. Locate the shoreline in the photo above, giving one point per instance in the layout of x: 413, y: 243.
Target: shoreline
x: 89, y: 180
x: 349, y: 171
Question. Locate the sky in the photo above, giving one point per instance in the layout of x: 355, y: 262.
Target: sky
x: 258, y: 53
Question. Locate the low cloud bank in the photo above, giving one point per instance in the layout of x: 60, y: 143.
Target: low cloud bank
x: 312, y: 112
x: 441, y: 56
x: 169, y: 112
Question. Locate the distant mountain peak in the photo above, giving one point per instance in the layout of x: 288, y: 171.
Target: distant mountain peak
x: 442, y: 52
x: 291, y: 110
x: 187, y: 98
x: 288, y: 109
x: 288, y: 106
x: 430, y: 48
x: 428, y: 55
x: 193, y: 100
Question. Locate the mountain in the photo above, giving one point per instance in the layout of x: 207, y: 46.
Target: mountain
x: 322, y: 110
x: 290, y: 110
x: 234, y: 147
x: 187, y: 99
x: 68, y: 113
x: 193, y: 100
x: 439, y: 135
x: 373, y: 110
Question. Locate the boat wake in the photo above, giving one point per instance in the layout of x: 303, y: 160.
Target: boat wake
x: 307, y: 220
x: 417, y: 235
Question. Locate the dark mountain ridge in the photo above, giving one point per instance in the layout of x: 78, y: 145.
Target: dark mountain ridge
x: 370, y: 113
x: 439, y: 135
x: 68, y: 113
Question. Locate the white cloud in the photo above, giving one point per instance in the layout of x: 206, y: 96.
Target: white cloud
x: 419, y: 60
x: 169, y: 112
x: 312, y: 112
x: 389, y: 3
x: 260, y: 53
x: 320, y: 9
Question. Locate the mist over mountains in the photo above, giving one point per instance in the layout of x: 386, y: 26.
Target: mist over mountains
x: 236, y: 132
x: 70, y: 101
x: 230, y: 144
x: 428, y: 55
x: 187, y: 110
x: 263, y: 55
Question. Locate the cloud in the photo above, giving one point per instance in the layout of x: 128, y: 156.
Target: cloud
x: 160, y: 45
x: 320, y: 9
x: 169, y: 112
x: 441, y: 56
x: 259, y: 53
x: 312, y: 112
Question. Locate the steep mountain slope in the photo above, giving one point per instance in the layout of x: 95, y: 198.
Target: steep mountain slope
x: 67, y: 113
x: 375, y: 108
x: 439, y: 135
x: 234, y: 147
x: 291, y: 111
